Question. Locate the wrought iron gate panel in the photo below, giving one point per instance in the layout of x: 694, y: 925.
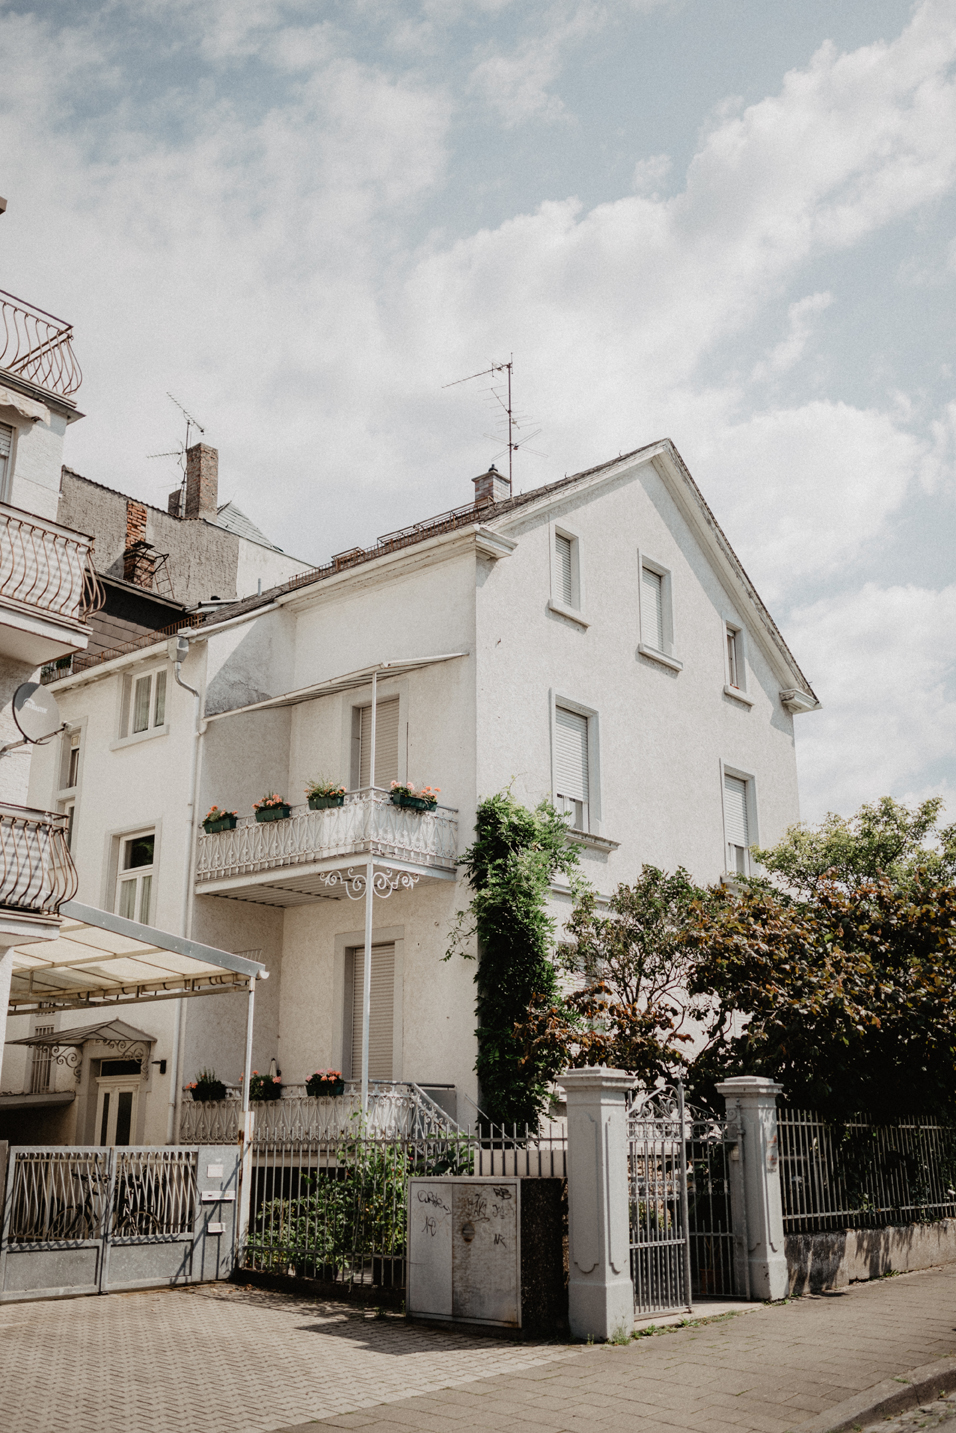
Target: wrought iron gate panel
x: 682, y: 1239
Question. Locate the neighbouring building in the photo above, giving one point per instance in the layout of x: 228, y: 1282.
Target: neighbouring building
x: 595, y: 641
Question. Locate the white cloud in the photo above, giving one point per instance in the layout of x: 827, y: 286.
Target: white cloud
x: 787, y: 353
x: 882, y: 661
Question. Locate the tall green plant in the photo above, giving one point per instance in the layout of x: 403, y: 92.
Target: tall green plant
x: 511, y: 863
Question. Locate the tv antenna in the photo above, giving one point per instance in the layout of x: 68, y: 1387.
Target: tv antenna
x: 180, y: 452
x: 506, y: 404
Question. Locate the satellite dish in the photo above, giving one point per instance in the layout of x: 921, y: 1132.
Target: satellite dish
x: 35, y: 712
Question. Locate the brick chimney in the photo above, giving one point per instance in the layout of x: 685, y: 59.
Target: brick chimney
x: 202, y: 482
x: 138, y: 560
x: 491, y: 487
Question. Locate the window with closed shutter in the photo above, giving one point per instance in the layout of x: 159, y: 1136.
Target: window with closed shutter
x: 6, y: 449
x: 736, y: 824
x: 652, y: 609
x: 571, y: 778
x: 381, y: 1029
x: 386, y: 744
x: 563, y: 569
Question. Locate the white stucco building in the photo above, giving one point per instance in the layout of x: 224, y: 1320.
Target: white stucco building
x: 595, y: 641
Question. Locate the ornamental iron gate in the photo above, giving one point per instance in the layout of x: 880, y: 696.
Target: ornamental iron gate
x: 100, y: 1219
x: 679, y: 1177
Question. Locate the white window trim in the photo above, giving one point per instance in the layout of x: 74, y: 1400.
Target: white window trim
x: 752, y: 827
x: 8, y: 418
x: 666, y: 656
x: 139, y: 736
x: 127, y: 690
x: 575, y: 612
x: 387, y: 689
x: 77, y: 728
x: 739, y: 693
x: 352, y: 940
x: 112, y: 874
x: 557, y: 699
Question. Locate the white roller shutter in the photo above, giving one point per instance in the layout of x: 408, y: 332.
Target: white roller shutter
x: 570, y: 754
x: 736, y: 825
x: 562, y: 553
x: 6, y: 448
x: 386, y: 743
x: 652, y: 609
x: 382, y: 1022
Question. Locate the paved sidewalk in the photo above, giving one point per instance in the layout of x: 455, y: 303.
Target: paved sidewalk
x: 220, y: 1359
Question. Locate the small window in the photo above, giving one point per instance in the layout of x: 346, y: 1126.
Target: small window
x: 566, y: 572
x: 386, y: 744
x: 6, y: 459
x: 562, y: 554
x: 149, y: 701
x: 571, y: 766
x: 381, y: 1029
x: 734, y: 662
x: 42, y: 1063
x: 73, y: 760
x: 135, y: 883
x: 70, y: 811
x: 736, y: 825
x: 652, y: 609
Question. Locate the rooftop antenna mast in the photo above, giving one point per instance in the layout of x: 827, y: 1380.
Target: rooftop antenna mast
x: 180, y: 452
x: 498, y: 368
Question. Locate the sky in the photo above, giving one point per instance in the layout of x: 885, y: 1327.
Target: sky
x: 727, y: 222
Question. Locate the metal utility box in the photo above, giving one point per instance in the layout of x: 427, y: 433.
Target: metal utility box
x: 488, y: 1251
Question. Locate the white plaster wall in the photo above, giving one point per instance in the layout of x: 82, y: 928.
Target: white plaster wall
x: 37, y: 457
x: 255, y: 563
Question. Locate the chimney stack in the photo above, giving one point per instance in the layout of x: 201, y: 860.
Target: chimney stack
x: 202, y: 482
x: 491, y: 487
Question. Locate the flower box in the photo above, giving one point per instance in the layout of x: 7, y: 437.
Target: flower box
x: 224, y: 823
x: 322, y: 803
x: 264, y: 1087
x: 413, y: 803
x: 316, y: 1089
x: 208, y: 1090
x: 273, y: 813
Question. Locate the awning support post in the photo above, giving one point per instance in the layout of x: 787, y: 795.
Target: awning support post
x: 367, y: 978
x: 245, y: 1132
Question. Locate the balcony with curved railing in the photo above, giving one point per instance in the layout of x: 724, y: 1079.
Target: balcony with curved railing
x: 36, y: 346
x: 46, y: 567
x: 36, y: 869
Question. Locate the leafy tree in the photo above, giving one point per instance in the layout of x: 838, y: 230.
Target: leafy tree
x: 511, y: 863
x: 847, y: 998
x: 883, y: 839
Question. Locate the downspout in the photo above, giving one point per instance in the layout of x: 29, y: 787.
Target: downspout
x: 178, y: 649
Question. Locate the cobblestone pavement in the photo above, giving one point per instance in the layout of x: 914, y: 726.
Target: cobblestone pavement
x: 221, y: 1359
x: 930, y: 1415
x: 770, y: 1371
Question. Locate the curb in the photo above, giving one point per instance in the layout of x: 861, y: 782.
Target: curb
x: 893, y: 1395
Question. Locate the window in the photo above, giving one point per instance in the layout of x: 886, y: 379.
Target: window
x: 571, y: 765
x: 6, y: 459
x: 42, y: 1061
x: 70, y: 761
x: 733, y: 657
x: 70, y: 811
x: 652, y: 609
x: 566, y: 596
x: 381, y: 1029
x: 386, y: 744
x: 149, y: 701
x: 737, y: 824
x: 134, y: 887
x: 563, y: 569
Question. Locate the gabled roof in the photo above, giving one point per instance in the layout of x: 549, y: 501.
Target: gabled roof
x: 234, y: 520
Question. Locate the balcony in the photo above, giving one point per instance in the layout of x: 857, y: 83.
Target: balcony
x: 396, y: 1110
x: 48, y: 587
x: 298, y: 861
x: 37, y: 347
x: 36, y: 869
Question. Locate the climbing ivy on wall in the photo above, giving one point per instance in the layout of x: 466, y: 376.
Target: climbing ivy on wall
x: 511, y: 863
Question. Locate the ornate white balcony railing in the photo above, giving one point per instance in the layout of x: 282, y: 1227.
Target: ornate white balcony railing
x: 47, y: 566
x: 36, y: 868
x: 396, y: 1110
x: 368, y: 824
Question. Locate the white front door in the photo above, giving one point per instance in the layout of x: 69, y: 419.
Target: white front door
x: 116, y: 1110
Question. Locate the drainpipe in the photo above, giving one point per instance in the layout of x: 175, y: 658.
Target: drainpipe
x: 178, y: 649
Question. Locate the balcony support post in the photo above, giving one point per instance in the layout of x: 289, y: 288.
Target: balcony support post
x: 367, y: 970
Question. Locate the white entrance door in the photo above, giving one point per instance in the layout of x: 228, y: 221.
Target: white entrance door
x: 116, y: 1110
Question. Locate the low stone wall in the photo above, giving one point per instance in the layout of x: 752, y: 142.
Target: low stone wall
x: 817, y: 1262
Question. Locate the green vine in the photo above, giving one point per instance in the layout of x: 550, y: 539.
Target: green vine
x: 511, y: 863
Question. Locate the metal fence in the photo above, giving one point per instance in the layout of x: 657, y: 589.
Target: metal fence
x: 47, y: 566
x: 74, y: 1195
x: 36, y: 868
x: 533, y: 1151
x: 396, y: 1109
x: 862, y: 1174
x: 37, y: 346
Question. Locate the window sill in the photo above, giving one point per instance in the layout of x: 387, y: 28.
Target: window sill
x: 738, y: 696
x: 596, y: 843
x: 139, y: 736
x: 661, y: 657
x: 572, y: 613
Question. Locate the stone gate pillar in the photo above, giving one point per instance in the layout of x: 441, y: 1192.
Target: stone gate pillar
x: 754, y: 1099
x: 600, y: 1292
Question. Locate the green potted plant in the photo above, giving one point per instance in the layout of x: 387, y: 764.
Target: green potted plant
x: 264, y: 1087
x: 325, y: 1082
x: 216, y: 820
x: 322, y: 793
x: 404, y: 794
x: 272, y: 808
x: 207, y: 1086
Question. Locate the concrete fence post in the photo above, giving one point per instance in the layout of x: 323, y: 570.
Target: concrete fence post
x: 600, y: 1291
x: 753, y: 1100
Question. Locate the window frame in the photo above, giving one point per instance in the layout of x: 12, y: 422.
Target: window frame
x: 739, y: 690
x: 128, y: 687
x: 346, y: 941
x: 9, y: 463
x: 556, y: 603
x: 354, y: 710
x: 750, y: 797
x: 664, y: 655
x: 593, y: 815
x: 116, y: 875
